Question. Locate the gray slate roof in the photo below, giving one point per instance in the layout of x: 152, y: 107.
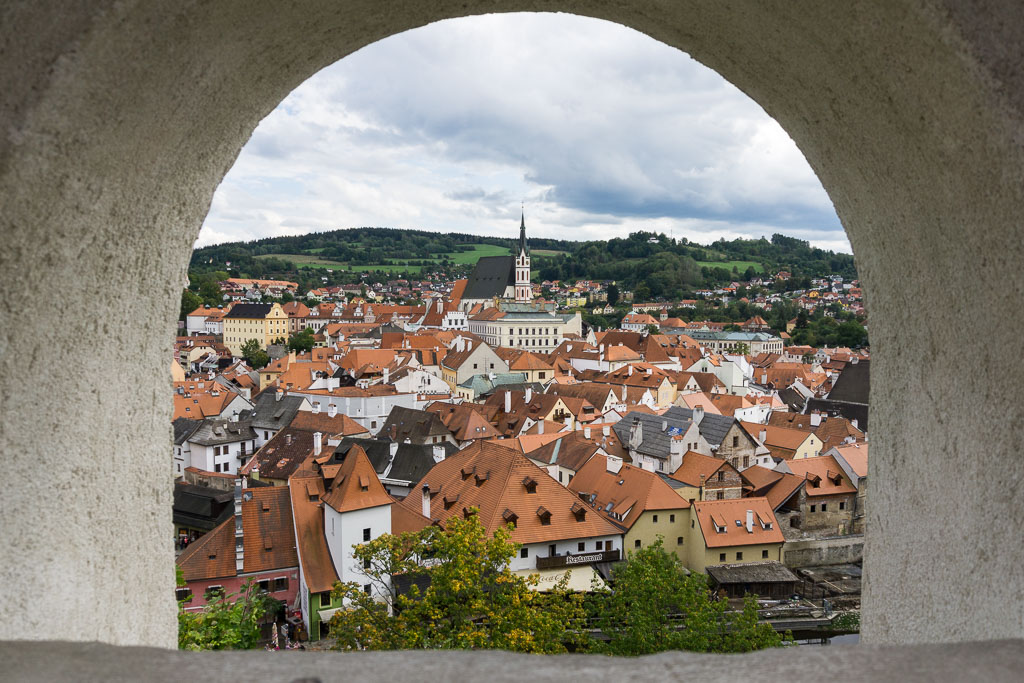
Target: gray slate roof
x: 249, y: 311
x: 849, y: 395
x: 201, y: 507
x: 411, y: 463
x: 853, y: 384
x: 480, y: 383
x: 712, y: 427
x: 416, y: 425
x: 269, y: 413
x: 655, y: 442
x: 490, y: 277
x: 184, y: 428
x: 751, y: 572
x: 215, y: 431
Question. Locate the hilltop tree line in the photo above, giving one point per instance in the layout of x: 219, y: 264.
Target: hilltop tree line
x: 652, y: 265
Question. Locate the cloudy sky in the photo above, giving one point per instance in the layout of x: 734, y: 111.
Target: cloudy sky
x: 597, y: 129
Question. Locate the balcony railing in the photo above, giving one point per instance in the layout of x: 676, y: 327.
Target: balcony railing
x: 573, y: 560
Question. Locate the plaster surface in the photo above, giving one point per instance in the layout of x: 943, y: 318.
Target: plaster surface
x: 986, y: 661
x: 119, y: 119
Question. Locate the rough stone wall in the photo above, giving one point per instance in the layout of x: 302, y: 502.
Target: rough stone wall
x: 745, y: 447
x: 825, y: 551
x: 833, y: 520
x: 120, y: 119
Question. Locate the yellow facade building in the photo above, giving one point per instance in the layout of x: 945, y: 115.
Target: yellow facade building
x: 262, y: 322
x: 731, y: 532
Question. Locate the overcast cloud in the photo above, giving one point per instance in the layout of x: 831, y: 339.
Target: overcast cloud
x: 598, y: 129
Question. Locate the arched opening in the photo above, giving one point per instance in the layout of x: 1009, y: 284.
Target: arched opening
x: 122, y: 122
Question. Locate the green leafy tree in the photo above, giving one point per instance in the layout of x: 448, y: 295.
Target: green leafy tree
x: 655, y: 605
x: 463, y: 595
x: 742, y: 349
x: 254, y: 355
x: 302, y: 341
x: 190, y: 301
x: 613, y: 294
x: 227, y: 622
x: 210, y: 293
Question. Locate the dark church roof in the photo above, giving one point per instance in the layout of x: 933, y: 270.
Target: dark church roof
x: 491, y: 276
x: 849, y: 395
x: 522, y: 236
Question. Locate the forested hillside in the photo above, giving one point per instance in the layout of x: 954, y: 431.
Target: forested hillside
x: 652, y: 264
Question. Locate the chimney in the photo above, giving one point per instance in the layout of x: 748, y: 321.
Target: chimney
x: 278, y: 395
x: 508, y: 401
x: 853, y: 423
x: 629, y: 370
x: 425, y: 501
x: 586, y: 432
x: 387, y: 373
x: 750, y: 521
x: 636, y: 433
x: 239, y: 544
x: 332, y: 410
x: 815, y: 419
x: 606, y: 430
x: 234, y: 416
x: 393, y: 448
x: 762, y: 436
x: 540, y: 427
x: 529, y: 394
x: 316, y: 407
x: 613, y: 465
x: 698, y: 414
x: 317, y: 443
x: 438, y: 453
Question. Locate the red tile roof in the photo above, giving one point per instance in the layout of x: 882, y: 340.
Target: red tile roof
x: 267, y: 534
x: 718, y: 522
x: 495, y: 479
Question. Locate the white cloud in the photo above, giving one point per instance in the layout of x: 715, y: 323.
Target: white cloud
x: 599, y: 129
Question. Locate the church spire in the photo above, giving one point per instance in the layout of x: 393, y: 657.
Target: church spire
x: 522, y: 234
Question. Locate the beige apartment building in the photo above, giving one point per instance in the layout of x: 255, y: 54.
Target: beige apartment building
x: 263, y: 322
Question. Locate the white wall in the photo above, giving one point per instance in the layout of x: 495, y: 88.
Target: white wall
x: 345, y: 530
x: 536, y: 550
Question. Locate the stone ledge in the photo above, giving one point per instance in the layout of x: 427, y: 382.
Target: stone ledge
x: 996, y: 660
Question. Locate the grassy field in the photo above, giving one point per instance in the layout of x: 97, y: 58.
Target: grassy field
x: 461, y: 257
x: 310, y: 260
x: 728, y: 265
x: 479, y: 251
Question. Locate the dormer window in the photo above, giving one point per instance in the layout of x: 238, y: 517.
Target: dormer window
x: 510, y: 517
x: 530, y: 484
x: 467, y: 472
x: 544, y: 514
x: 481, y: 477
x: 450, y: 500
x: 579, y: 512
